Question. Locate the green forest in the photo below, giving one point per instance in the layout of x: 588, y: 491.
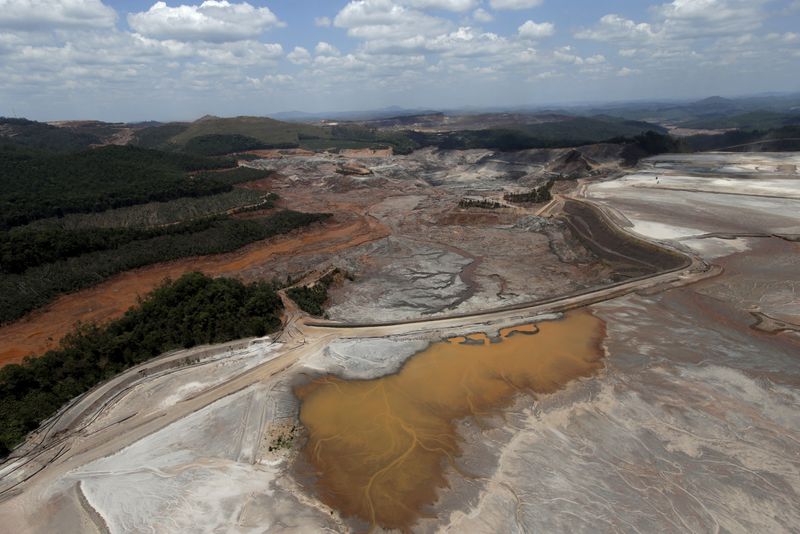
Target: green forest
x: 192, y: 310
x: 35, y: 185
x: 311, y: 299
x: 71, y: 220
x: 79, y: 267
x: 43, y: 136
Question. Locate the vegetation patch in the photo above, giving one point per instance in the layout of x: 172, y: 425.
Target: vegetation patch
x: 159, y: 136
x: 571, y: 132
x: 284, y: 440
x: 42, y: 136
x: 35, y: 185
x: 220, y: 144
x: 24, y: 248
x: 263, y: 129
x: 479, y: 203
x: 160, y: 213
x: 778, y: 139
x: 191, y: 311
x: 535, y: 195
x: 235, y: 176
x: 36, y: 286
x: 312, y: 299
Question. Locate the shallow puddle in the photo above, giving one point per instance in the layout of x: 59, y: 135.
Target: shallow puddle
x: 380, y: 447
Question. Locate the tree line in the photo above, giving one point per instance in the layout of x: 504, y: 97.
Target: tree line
x: 36, y: 185
x: 193, y: 310
x: 37, y: 286
x: 312, y: 299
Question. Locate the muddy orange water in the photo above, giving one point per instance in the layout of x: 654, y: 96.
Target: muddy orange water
x: 380, y: 447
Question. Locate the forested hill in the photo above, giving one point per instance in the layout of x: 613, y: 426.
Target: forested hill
x: 71, y: 220
x: 42, y: 136
x: 36, y: 184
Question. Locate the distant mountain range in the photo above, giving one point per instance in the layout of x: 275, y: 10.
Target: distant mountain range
x: 382, y: 113
x: 406, y: 129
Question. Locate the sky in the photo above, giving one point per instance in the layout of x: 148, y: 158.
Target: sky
x: 131, y: 60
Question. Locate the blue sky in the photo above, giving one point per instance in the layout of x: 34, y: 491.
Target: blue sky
x: 139, y: 60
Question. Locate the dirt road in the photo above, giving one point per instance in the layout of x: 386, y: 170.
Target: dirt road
x: 41, y: 330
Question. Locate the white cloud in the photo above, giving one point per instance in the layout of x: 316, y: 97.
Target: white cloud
x: 239, y: 53
x: 514, y: 4
x: 270, y: 81
x: 213, y: 21
x: 626, y: 71
x: 548, y: 75
x: 481, y: 15
x: 681, y: 20
x: 618, y: 29
x: 595, y: 60
x: 684, y: 34
x: 322, y: 22
x: 39, y: 15
x: 384, y: 19
x: 467, y: 42
x: 535, y: 30
x: 565, y: 55
x: 448, y: 5
x: 326, y: 49
x: 299, y: 56
x: 699, y: 18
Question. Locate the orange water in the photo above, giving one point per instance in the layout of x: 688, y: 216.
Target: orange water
x: 380, y: 447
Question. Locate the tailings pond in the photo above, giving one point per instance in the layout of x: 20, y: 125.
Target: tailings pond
x: 380, y: 448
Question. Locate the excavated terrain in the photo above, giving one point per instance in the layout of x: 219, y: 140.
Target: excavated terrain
x: 662, y: 397
x: 396, y: 227
x: 439, y: 258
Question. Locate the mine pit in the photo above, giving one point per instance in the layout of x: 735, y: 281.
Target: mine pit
x: 380, y: 449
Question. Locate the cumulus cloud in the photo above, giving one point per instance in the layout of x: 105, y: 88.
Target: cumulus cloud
x: 534, y: 30
x: 271, y: 81
x: 50, y: 48
x: 697, y: 18
x: 36, y: 15
x: 685, y: 34
x: 619, y: 29
x: 467, y: 42
x: 595, y: 59
x: 514, y: 4
x: 213, y: 21
x: 565, y: 55
x: 384, y: 19
x: 681, y: 20
x: 299, y: 56
x: 326, y: 49
x: 240, y: 53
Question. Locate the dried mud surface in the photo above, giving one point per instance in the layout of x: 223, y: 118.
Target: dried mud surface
x: 398, y: 230
x: 691, y: 424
